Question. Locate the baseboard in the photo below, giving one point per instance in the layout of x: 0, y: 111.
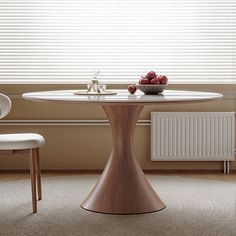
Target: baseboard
x: 48, y: 171
x: 183, y: 171
x: 99, y: 171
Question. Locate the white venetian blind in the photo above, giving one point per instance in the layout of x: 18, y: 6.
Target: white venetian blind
x: 66, y: 40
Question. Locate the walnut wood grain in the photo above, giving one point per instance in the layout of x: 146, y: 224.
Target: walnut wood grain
x: 38, y: 173
x: 32, y: 164
x: 35, y: 171
x: 123, y: 188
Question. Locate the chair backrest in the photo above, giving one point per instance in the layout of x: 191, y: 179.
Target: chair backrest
x: 5, y: 105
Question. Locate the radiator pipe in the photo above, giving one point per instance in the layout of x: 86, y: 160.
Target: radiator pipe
x: 65, y: 122
x: 68, y: 122
x: 225, y: 167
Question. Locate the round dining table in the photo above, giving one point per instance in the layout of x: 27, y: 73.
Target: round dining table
x: 123, y: 188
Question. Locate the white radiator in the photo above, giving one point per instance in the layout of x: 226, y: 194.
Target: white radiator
x: 192, y: 136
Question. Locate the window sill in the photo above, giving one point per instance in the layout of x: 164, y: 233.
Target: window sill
x: 112, y: 82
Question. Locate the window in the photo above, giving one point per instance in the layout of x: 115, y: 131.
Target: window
x: 64, y: 41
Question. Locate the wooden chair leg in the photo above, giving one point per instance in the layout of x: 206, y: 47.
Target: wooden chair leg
x: 38, y: 174
x: 32, y: 163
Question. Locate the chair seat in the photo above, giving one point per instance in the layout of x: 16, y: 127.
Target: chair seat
x: 20, y: 141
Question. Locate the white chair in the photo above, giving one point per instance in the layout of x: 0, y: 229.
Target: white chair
x: 26, y: 144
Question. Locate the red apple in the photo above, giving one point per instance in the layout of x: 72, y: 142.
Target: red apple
x: 132, y: 88
x: 155, y: 81
x: 144, y: 81
x: 151, y: 74
x: 163, y: 79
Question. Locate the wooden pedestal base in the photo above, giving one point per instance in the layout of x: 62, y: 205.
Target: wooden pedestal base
x: 123, y: 187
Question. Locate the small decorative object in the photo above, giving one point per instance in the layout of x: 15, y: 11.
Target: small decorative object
x: 94, y: 88
x: 151, y: 83
x: 94, y: 85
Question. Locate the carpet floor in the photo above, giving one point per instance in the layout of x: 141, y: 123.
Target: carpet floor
x: 195, y: 206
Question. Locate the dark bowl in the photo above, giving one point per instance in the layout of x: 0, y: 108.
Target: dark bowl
x: 152, y: 88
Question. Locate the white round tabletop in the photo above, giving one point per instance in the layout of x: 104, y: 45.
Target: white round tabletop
x: 123, y: 96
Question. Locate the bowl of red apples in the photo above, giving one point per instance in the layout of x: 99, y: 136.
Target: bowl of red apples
x: 151, y: 83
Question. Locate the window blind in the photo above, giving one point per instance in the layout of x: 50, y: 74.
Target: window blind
x: 64, y: 41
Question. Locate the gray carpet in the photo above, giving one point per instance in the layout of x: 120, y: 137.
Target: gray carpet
x: 194, y: 207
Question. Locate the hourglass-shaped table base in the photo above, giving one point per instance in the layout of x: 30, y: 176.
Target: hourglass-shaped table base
x: 123, y: 187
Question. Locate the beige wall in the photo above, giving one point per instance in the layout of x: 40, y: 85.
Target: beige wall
x: 88, y: 147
